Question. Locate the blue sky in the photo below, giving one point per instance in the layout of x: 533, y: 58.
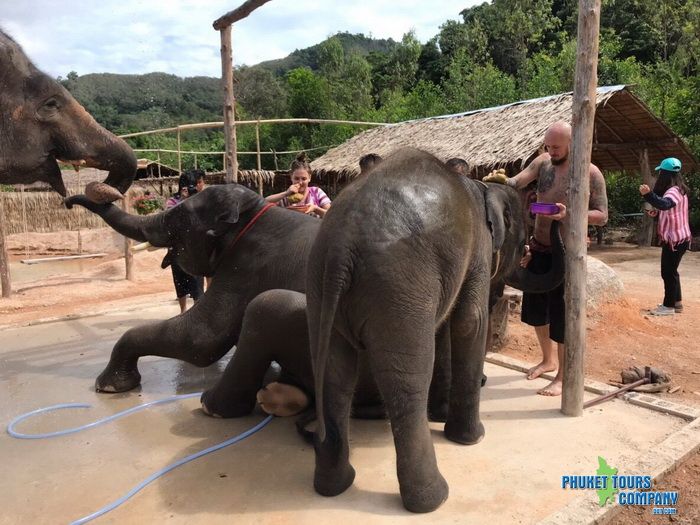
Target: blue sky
x: 140, y: 36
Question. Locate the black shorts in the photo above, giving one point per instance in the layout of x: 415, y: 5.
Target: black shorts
x: 186, y: 284
x: 541, y: 309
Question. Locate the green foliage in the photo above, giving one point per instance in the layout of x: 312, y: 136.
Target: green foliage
x: 623, y: 196
x: 497, y: 53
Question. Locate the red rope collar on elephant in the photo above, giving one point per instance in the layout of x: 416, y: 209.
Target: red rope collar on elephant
x: 252, y: 221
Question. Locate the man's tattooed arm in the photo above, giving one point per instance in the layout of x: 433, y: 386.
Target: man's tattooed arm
x: 598, y: 200
x: 546, y: 179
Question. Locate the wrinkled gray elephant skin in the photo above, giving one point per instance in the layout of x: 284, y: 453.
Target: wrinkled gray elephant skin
x: 200, y: 234
x: 275, y: 329
x: 403, y: 254
x: 41, y: 122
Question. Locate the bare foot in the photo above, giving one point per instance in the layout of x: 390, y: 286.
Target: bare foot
x: 537, y: 371
x: 551, y: 390
x: 280, y: 399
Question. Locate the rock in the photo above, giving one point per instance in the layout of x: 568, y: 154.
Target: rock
x: 602, y: 284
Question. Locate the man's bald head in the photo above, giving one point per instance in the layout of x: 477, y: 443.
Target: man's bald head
x: 557, y: 140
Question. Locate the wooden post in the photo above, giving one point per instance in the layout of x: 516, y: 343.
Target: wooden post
x: 179, y: 152
x: 5, y: 281
x: 257, y: 144
x: 24, y: 220
x: 159, y: 173
x: 583, y: 117
x: 231, y: 161
x: 128, y: 256
x: 80, y: 239
x: 646, y: 234
x: 274, y: 155
x: 195, y: 161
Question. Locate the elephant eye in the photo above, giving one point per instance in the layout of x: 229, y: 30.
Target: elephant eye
x: 49, y: 107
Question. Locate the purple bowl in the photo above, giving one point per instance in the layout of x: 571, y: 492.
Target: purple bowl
x: 544, y: 208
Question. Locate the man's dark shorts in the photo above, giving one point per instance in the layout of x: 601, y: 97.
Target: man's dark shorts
x: 540, y: 309
x: 186, y: 284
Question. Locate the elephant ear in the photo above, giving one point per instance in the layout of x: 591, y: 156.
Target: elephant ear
x: 497, y: 216
x: 167, y: 260
x: 224, y: 221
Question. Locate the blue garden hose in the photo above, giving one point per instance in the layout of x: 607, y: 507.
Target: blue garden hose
x: 152, y: 477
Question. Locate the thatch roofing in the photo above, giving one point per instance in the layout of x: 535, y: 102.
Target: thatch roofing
x: 513, y: 134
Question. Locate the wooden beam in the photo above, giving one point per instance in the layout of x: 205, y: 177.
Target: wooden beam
x: 633, y: 145
x: 230, y: 158
x: 5, y: 281
x: 599, y: 118
x: 237, y: 14
x: 646, y: 234
x: 213, y: 125
x: 128, y: 256
x: 583, y: 119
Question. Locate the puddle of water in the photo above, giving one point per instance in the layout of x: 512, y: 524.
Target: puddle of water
x: 24, y: 273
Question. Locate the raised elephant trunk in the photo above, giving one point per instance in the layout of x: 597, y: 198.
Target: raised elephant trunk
x: 98, y: 148
x: 142, y: 229
x: 524, y: 280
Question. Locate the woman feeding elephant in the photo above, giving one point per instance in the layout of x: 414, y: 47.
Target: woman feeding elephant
x: 311, y: 200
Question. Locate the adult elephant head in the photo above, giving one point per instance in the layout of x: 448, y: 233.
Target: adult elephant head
x: 197, y: 230
x: 40, y: 123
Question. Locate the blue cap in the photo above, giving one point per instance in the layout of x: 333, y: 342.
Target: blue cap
x: 669, y: 164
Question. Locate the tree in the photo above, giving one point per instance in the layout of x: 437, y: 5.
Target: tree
x: 260, y: 93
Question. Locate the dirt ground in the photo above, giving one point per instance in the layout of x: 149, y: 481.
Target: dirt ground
x: 620, y: 334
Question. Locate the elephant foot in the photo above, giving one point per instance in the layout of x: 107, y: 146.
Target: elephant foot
x: 113, y: 380
x: 335, y: 481
x: 426, y: 498
x: 281, y: 399
x: 462, y: 436
x: 216, y: 405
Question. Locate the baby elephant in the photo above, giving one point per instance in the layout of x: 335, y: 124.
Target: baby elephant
x: 275, y: 329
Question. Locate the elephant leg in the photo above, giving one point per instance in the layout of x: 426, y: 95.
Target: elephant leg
x: 402, y: 361
x: 274, y: 329
x: 333, y: 473
x: 439, y: 395
x: 200, y: 336
x: 468, y: 327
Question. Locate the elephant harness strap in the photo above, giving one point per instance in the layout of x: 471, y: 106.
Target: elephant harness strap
x: 252, y: 222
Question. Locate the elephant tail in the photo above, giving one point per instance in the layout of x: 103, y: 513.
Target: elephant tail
x: 335, y: 282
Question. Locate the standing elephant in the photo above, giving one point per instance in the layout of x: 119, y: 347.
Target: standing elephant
x: 225, y: 232
x: 404, y: 253
x: 40, y: 122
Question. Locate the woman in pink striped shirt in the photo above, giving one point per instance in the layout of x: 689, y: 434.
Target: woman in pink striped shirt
x: 310, y: 199
x: 670, y: 197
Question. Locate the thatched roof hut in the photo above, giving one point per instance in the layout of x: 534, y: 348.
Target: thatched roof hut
x: 511, y: 135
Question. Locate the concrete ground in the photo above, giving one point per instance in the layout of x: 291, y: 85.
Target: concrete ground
x: 512, y: 476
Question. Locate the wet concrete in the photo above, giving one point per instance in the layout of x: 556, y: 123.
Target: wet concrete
x: 512, y: 476
x: 24, y: 273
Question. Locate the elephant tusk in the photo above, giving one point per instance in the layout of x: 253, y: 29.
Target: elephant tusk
x: 143, y: 246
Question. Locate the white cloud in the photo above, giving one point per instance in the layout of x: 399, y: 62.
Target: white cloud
x: 137, y: 36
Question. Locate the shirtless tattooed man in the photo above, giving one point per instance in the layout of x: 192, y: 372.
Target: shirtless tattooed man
x: 546, y: 311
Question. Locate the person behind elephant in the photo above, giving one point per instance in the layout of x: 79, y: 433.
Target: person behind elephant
x: 369, y: 161
x: 185, y: 284
x: 670, y: 197
x: 459, y: 166
x: 545, y: 312
x: 300, y: 193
